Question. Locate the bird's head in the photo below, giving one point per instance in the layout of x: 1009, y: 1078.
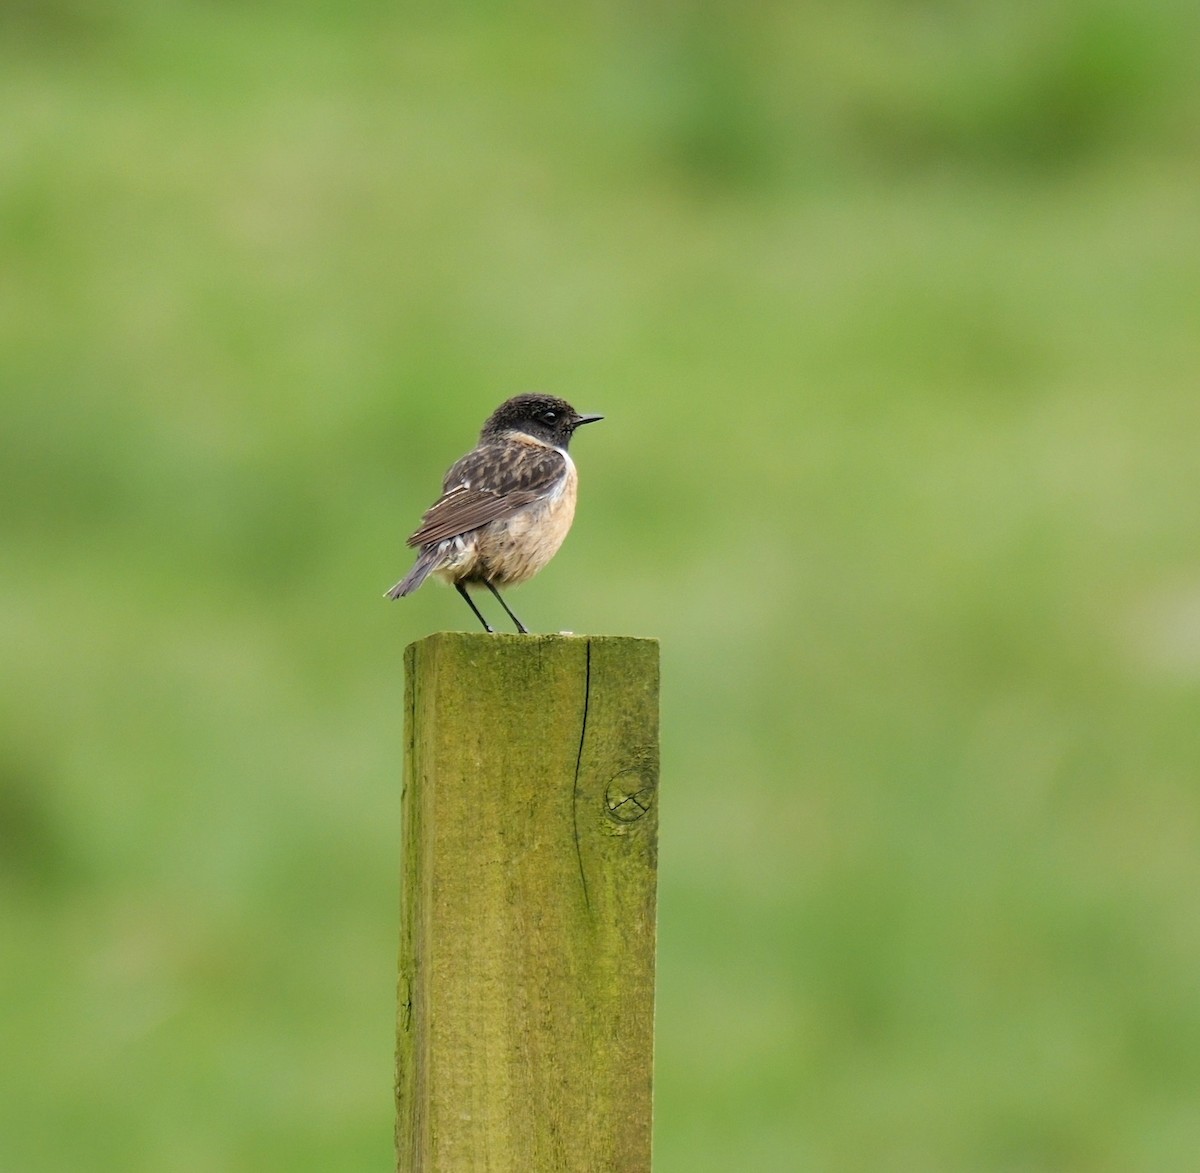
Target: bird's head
x: 545, y: 418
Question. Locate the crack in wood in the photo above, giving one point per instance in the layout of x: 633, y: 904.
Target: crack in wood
x: 587, y: 696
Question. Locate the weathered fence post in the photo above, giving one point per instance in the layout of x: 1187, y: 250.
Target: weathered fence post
x: 526, y: 994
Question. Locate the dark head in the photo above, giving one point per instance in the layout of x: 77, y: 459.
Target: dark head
x: 541, y: 416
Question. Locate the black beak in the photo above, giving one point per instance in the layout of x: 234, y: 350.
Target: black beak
x: 580, y: 420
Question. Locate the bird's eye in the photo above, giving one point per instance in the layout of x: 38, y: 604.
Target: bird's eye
x: 549, y: 417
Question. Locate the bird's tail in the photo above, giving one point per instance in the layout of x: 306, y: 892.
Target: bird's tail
x: 427, y: 562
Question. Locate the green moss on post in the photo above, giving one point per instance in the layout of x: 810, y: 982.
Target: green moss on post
x: 526, y: 993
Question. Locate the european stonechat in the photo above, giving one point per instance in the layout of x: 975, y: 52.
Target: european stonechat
x: 505, y: 507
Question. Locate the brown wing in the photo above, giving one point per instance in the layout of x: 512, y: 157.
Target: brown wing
x: 490, y: 483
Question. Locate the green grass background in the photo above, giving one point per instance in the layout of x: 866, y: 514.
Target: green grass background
x: 894, y: 312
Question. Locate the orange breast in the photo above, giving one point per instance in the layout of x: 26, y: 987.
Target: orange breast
x: 514, y: 550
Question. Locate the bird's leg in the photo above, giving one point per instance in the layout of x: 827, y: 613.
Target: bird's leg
x: 462, y: 590
x: 520, y: 626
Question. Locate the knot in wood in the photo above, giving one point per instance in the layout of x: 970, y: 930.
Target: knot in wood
x: 629, y: 797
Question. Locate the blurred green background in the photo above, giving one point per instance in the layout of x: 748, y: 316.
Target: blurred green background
x: 894, y: 313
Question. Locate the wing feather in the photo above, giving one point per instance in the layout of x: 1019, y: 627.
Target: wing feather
x: 490, y: 483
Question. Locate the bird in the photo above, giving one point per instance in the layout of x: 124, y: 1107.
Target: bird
x: 506, y: 506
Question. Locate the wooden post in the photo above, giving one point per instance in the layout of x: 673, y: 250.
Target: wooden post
x: 526, y: 995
